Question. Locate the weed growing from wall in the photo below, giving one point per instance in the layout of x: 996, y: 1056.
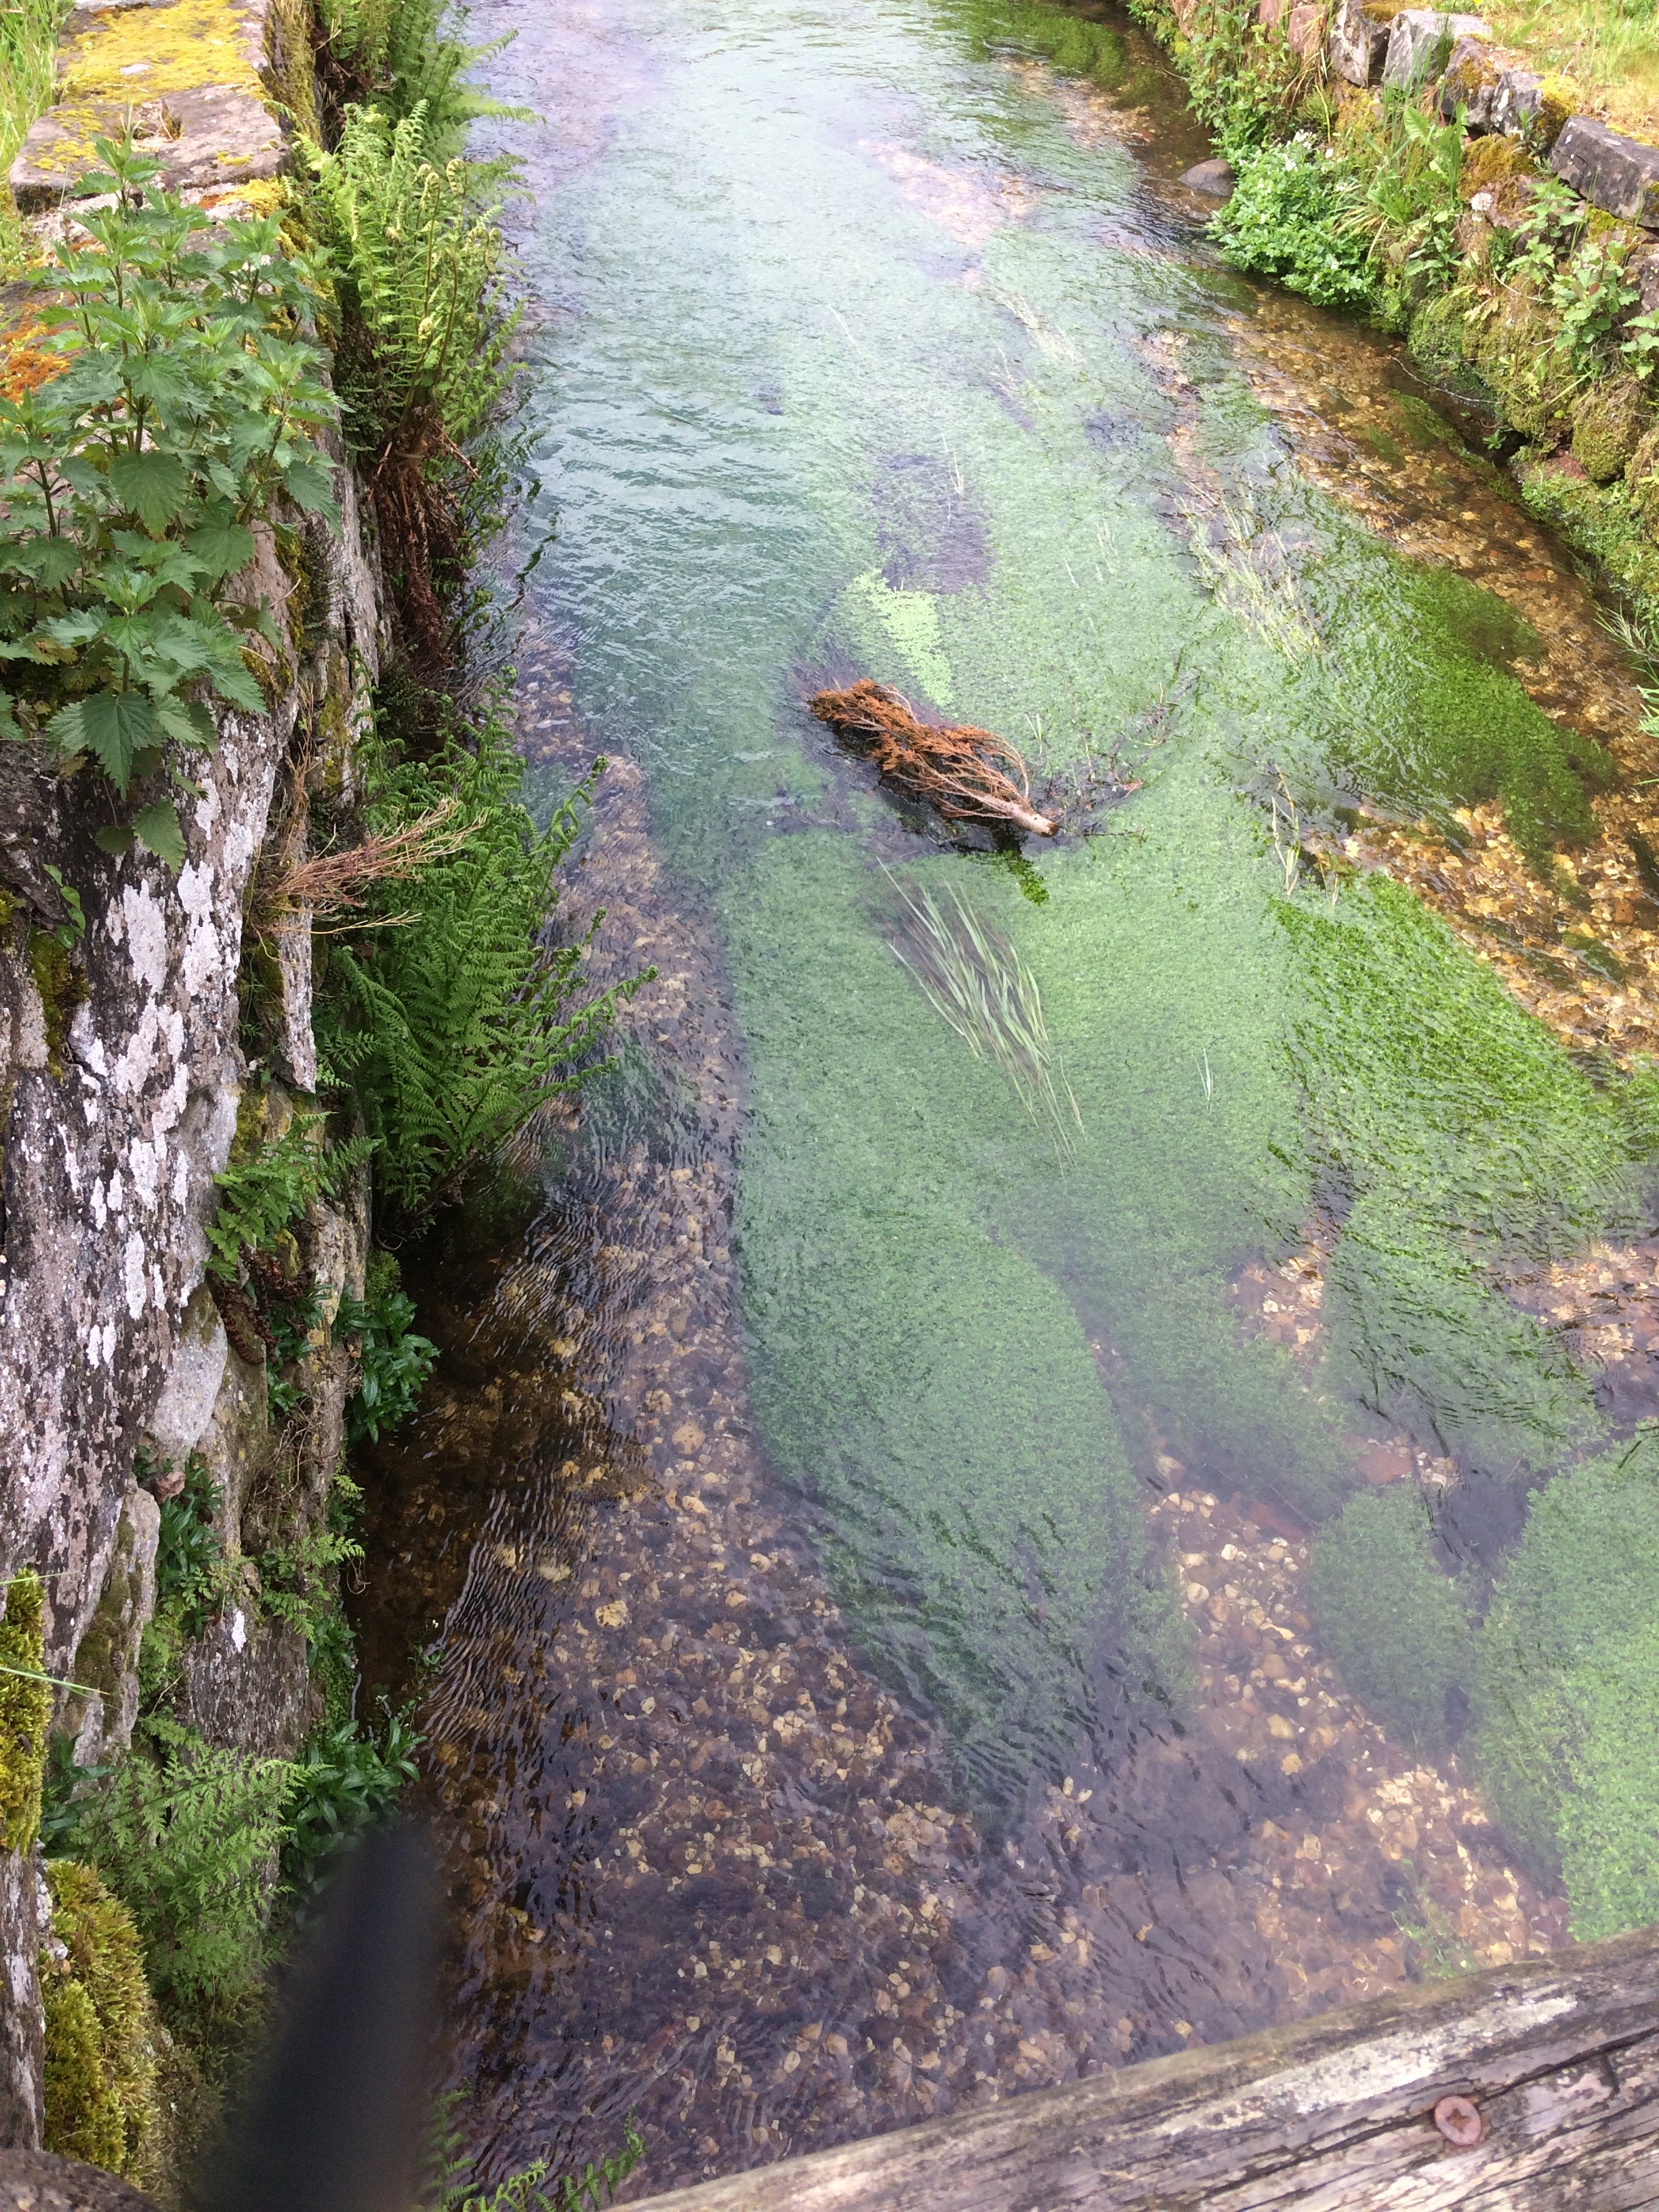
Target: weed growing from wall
x: 453, y: 1027
x: 186, y: 401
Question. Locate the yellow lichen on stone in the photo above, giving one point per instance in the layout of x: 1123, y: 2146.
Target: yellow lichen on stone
x: 25, y: 1708
x: 141, y: 53
x: 102, y: 2034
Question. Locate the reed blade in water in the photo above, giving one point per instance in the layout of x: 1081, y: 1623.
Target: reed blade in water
x: 974, y: 978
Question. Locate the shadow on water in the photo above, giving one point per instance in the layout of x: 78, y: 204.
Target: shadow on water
x: 859, y: 1563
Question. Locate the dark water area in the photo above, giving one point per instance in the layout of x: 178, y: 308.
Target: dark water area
x: 931, y: 1570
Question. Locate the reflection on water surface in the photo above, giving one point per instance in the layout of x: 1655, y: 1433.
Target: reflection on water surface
x: 913, y: 1611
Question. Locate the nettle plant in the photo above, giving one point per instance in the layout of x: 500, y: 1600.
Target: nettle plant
x: 182, y: 404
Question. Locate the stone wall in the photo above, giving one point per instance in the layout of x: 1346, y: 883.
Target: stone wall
x: 121, y: 1071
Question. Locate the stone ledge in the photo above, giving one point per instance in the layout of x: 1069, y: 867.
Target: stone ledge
x: 1614, y: 173
x: 1414, y: 37
x: 190, y: 75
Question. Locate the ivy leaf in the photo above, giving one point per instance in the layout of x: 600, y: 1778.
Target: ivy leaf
x: 222, y: 546
x: 159, y: 832
x: 112, y: 726
x: 154, y: 485
x: 310, y: 485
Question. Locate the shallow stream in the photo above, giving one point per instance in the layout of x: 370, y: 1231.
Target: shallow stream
x: 872, y: 1532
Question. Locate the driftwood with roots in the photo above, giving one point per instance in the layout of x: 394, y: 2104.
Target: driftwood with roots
x: 968, y: 775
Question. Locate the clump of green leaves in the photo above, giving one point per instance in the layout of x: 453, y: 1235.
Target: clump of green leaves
x: 299, y: 1579
x: 1398, y: 178
x: 1395, y: 1623
x: 399, y: 55
x: 190, y: 1568
x: 453, y: 1027
x: 345, y: 1780
x: 1591, y: 296
x: 394, y: 1358
x: 188, y: 1838
x: 187, y: 404
x: 268, y: 1190
x: 421, y: 362
x: 1288, y: 219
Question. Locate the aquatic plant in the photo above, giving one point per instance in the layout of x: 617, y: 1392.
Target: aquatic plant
x: 1251, y: 575
x: 975, y: 980
x: 1395, y: 1626
x: 966, y: 773
x: 1567, y: 1687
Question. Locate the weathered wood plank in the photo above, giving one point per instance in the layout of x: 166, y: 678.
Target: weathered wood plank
x: 1560, y: 2056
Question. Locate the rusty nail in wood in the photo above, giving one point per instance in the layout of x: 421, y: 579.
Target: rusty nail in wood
x: 1461, y: 2122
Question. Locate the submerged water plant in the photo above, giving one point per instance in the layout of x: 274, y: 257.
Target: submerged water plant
x: 973, y: 977
x: 967, y: 774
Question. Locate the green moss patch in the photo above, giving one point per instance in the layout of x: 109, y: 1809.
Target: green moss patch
x: 101, y: 2031
x: 25, y: 1709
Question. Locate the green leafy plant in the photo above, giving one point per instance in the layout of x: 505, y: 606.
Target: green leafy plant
x: 190, y: 1568
x: 1288, y: 219
x: 398, y: 54
x: 188, y: 1838
x: 267, y: 1192
x: 345, y: 1780
x: 452, y: 1028
x: 1591, y: 296
x: 393, y: 1360
x: 289, y: 1325
x: 299, y: 1580
x: 421, y: 361
x: 183, y: 407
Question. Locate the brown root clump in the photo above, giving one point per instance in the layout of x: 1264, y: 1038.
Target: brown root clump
x: 955, y: 769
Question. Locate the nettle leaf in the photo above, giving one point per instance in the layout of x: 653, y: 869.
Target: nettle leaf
x: 111, y: 726
x: 223, y: 546
x: 310, y: 484
x: 116, y: 837
x: 156, y: 486
x: 188, y: 723
x: 159, y: 832
x: 49, y: 561
x: 77, y: 628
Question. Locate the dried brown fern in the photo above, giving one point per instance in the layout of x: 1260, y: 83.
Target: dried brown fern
x: 967, y: 774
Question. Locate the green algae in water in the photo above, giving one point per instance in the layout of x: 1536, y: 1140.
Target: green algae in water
x: 1463, y: 1141
x: 1568, y: 1685
x: 1396, y: 1626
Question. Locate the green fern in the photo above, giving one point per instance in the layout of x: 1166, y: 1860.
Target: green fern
x: 453, y: 1026
x: 265, y: 1195
x: 188, y: 1838
x: 399, y: 55
x: 422, y: 365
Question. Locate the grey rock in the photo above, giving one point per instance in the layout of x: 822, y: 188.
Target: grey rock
x: 1357, y: 44
x: 1470, y: 83
x: 101, y: 1718
x: 21, y: 2039
x: 36, y: 2181
x: 1518, y: 102
x: 1643, y: 270
x: 1213, y: 178
x: 215, y: 136
x: 1618, y: 174
x: 185, y: 1405
x: 1420, y: 38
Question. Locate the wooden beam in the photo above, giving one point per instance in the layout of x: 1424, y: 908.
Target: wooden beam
x: 1559, y: 2057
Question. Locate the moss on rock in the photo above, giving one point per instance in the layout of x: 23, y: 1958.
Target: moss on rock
x: 1610, y: 420
x: 102, y: 2033
x: 25, y: 1709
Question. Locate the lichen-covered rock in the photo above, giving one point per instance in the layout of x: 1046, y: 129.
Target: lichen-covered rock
x: 1475, y: 69
x: 1609, y: 421
x: 1641, y: 474
x: 1529, y: 107
x: 102, y: 2036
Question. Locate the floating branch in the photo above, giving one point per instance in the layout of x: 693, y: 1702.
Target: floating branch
x: 973, y: 977
x: 967, y: 774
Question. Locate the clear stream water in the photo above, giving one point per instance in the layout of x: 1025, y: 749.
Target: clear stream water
x: 937, y: 1579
